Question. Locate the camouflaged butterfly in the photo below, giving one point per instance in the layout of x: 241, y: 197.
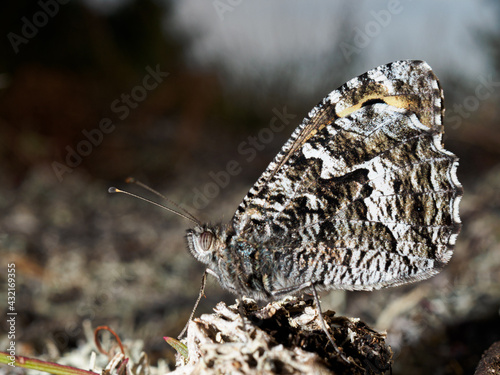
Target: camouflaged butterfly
x: 362, y: 196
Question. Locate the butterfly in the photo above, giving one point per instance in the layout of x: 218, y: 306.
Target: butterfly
x: 362, y: 196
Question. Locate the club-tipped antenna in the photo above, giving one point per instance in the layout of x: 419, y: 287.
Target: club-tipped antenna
x: 132, y: 180
x: 188, y: 216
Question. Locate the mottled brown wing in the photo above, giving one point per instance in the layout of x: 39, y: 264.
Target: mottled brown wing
x: 363, y: 195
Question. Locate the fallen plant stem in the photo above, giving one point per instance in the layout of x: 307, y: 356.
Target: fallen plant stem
x: 98, y: 343
x: 36, y: 364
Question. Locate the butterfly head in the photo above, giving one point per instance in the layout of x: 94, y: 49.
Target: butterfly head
x: 205, y: 243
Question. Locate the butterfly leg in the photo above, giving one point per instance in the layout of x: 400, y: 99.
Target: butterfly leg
x: 242, y: 312
x: 311, y: 286
x: 323, y: 325
x: 202, y: 291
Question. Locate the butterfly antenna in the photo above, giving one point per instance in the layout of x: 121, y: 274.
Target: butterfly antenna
x: 131, y: 180
x: 188, y: 217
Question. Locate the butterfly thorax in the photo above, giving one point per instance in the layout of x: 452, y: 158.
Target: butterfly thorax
x: 243, y: 265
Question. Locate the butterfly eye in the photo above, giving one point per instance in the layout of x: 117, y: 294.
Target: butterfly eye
x: 206, y: 240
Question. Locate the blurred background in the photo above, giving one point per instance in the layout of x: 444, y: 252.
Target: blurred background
x: 170, y: 92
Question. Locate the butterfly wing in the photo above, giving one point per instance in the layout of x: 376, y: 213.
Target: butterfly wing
x: 363, y: 195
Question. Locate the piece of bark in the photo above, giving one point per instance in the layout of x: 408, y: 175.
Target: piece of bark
x: 490, y: 361
x: 282, y: 337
